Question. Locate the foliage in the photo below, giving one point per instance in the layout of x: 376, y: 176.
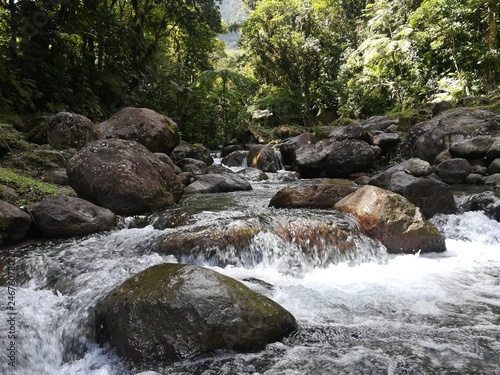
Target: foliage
x: 293, y: 47
x: 29, y: 189
x: 411, y: 51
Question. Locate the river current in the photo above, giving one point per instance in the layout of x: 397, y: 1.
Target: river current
x: 372, y: 313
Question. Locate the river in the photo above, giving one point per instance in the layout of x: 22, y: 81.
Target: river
x: 369, y: 313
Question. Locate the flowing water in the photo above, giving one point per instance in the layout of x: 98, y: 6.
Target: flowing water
x: 368, y: 313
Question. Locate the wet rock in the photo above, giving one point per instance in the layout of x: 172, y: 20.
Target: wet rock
x: 70, y: 130
x: 14, y: 223
x: 124, y: 177
x: 171, y: 312
x: 311, y: 196
x: 263, y: 158
x: 186, y: 150
x: 454, y: 171
x: 393, y: 220
x: 253, y: 174
x: 235, y: 159
x: 215, y: 245
x: 8, y: 194
x: 156, y: 132
x: 487, y: 201
x: 227, y: 149
x: 494, y: 151
x: 63, y: 216
x: 217, y: 183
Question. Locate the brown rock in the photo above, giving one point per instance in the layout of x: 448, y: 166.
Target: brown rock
x: 393, y: 220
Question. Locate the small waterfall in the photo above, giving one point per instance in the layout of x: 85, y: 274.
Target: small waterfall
x: 359, y: 309
x: 279, y: 159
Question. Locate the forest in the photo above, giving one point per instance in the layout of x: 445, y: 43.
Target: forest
x: 301, y: 63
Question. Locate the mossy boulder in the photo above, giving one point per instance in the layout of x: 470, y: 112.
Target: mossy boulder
x: 155, y: 131
x: 171, y: 312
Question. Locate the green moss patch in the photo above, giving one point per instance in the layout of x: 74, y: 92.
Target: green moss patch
x: 29, y: 189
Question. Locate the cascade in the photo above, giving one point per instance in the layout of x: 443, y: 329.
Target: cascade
x: 361, y: 312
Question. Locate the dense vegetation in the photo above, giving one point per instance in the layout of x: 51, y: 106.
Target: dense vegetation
x: 302, y: 62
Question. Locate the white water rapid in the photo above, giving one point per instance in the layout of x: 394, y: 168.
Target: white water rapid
x: 405, y: 314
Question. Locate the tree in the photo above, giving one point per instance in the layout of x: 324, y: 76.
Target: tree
x: 295, y: 45
x: 384, y: 69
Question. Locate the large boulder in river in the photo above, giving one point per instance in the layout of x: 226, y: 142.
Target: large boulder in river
x: 14, y: 223
x: 393, y: 220
x: 63, y: 216
x: 290, y: 145
x: 427, y: 139
x: 186, y: 150
x: 71, y: 130
x: 171, y: 312
x: 157, y: 132
x: 123, y: 176
x: 263, y: 158
x: 330, y: 158
x: 311, y: 196
x: 217, y: 183
x: 414, y: 179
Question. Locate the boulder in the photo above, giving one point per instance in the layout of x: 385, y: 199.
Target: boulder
x: 62, y: 216
x: 156, y: 132
x: 311, y: 196
x: 290, y: 145
x: 414, y: 167
x: 385, y: 141
x: 393, y: 220
x: 486, y: 201
x: 253, y: 174
x: 473, y: 148
x: 429, y: 145
x: 70, y: 130
x: 195, y: 166
x: 171, y: 312
x: 217, y: 183
x: 330, y: 158
x: 14, y: 223
x: 227, y: 149
x: 221, y: 244
x: 123, y: 176
x: 186, y: 150
x: 377, y: 124
x: 427, y: 139
x: 494, y: 166
x: 454, y: 171
x: 235, y: 159
x: 494, y: 151
x: 263, y: 158
x: 492, y: 180
x: 354, y: 130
